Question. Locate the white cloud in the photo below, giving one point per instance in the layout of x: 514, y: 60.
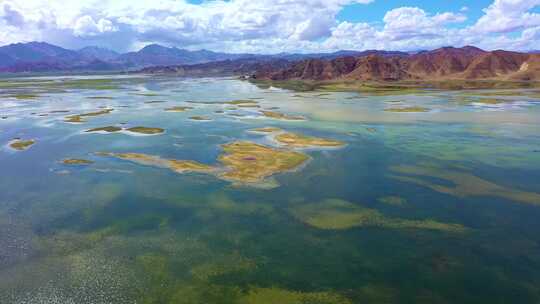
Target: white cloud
x: 505, y: 16
x: 260, y: 26
x: 86, y: 26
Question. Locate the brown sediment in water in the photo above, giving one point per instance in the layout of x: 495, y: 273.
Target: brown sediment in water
x: 302, y: 141
x: 78, y: 118
x: 145, y: 130
x: 21, y: 145
x: 249, y: 162
x: 407, y: 110
x: 108, y: 129
x: 178, y: 109
x: 463, y: 183
x: 278, y: 115
x: 76, y: 161
x: 335, y: 214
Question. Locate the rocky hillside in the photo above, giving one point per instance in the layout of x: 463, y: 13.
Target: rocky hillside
x: 468, y: 63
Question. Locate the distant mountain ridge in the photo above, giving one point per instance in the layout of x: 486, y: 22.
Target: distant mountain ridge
x: 466, y: 63
x: 43, y: 57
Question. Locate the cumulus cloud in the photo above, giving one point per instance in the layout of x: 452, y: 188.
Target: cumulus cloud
x: 260, y: 26
x: 505, y: 16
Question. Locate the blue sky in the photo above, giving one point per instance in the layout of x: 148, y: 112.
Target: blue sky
x: 375, y: 11
x: 272, y: 26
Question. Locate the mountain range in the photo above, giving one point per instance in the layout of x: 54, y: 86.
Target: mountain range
x: 45, y: 57
x: 466, y: 63
x: 447, y: 63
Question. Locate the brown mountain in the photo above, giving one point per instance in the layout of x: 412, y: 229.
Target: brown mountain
x: 466, y: 63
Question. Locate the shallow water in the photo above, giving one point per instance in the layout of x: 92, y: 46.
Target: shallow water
x: 433, y: 207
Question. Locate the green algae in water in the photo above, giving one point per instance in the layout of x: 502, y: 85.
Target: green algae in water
x: 462, y: 183
x: 392, y: 200
x: 337, y: 214
x: 117, y: 232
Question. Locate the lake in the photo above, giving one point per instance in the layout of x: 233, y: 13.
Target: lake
x: 139, y: 189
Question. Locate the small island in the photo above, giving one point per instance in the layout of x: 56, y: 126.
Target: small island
x: 107, y: 129
x: 76, y: 161
x: 21, y: 145
x: 178, y: 109
x: 180, y: 166
x: 145, y: 130
x: 248, y: 162
x: 200, y: 118
x: 302, y: 141
x: 78, y: 118
x: 282, y: 116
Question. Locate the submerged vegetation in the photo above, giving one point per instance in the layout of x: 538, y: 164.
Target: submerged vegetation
x: 266, y: 130
x: 345, y: 226
x: 337, y: 214
x: 407, y: 110
x: 462, y: 184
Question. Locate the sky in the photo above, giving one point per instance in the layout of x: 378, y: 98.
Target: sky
x: 274, y: 26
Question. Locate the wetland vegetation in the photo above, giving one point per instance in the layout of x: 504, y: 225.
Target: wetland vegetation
x: 318, y: 195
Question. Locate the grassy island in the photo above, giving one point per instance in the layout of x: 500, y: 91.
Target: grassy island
x: 180, y: 166
x: 178, y: 109
x: 200, y: 118
x: 78, y: 118
x: 250, y: 162
x: 146, y: 130
x: 282, y: 116
x: 21, y: 145
x: 303, y: 141
x: 76, y: 161
x: 108, y: 129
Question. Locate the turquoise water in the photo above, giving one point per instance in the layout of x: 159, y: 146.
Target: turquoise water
x: 461, y: 225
